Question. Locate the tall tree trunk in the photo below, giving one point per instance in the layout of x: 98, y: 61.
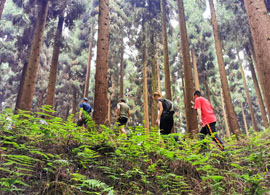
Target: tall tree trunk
x: 54, y: 63
x: 254, y: 123
x: 165, y: 52
x: 88, y: 69
x: 244, y: 118
x: 42, y: 97
x: 145, y: 92
x: 40, y: 103
x: 257, y: 87
x: 32, y: 67
x: 109, y: 111
x: 101, y: 78
x: 259, y: 95
x: 225, y: 115
x: 2, y: 5
x: 122, y: 71
x: 158, y: 75
x: 196, y: 75
x: 67, y: 112
x: 19, y: 95
x: 181, y: 74
x: 154, y: 77
x: 191, y: 116
x: 260, y: 27
x: 232, y: 118
x: 74, y: 100
x: 55, y: 108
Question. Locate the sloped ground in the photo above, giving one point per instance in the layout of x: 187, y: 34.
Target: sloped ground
x: 60, y: 158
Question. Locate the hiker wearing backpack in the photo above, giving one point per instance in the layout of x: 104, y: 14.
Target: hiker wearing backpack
x: 165, y: 115
x: 122, y: 114
x: 85, y: 111
x: 207, y: 118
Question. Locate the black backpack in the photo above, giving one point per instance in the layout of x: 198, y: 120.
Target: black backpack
x: 167, y: 106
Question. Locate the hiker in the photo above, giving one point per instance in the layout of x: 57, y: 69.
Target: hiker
x: 165, y: 115
x: 122, y: 114
x: 42, y: 120
x: 85, y: 111
x: 207, y: 118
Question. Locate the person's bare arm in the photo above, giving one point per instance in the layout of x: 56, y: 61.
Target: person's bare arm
x: 80, y: 114
x: 117, y: 112
x: 199, y: 111
x: 160, y: 112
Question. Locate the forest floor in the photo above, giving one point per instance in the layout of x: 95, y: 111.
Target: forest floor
x: 61, y: 158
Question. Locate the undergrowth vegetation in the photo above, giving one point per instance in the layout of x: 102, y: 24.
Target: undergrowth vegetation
x: 57, y: 157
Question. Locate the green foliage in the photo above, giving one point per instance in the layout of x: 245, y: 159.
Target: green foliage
x: 60, y: 157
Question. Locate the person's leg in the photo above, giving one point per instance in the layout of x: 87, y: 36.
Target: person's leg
x: 165, y: 125
x: 170, y: 123
x: 84, y: 122
x: 80, y: 123
x: 123, y: 129
x: 203, y: 133
x: 162, y: 125
x: 122, y: 122
x: 212, y: 129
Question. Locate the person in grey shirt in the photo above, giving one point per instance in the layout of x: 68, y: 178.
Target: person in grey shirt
x: 122, y: 114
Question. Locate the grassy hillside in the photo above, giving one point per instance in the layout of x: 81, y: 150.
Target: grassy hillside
x: 60, y: 158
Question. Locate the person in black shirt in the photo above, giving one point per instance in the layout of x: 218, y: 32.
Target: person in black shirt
x: 165, y: 115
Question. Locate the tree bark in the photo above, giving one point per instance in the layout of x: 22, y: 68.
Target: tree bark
x: 158, y: 76
x: 259, y: 95
x: 145, y: 92
x: 67, y: 112
x: 191, y: 116
x: 122, y: 71
x: 32, y: 67
x: 55, y: 107
x: 257, y: 87
x: 42, y: 97
x: 145, y: 85
x: 165, y: 52
x: 196, y: 75
x: 88, y: 69
x: 54, y: 63
x: 225, y: 115
x: 232, y: 118
x: 101, y: 78
x: 19, y: 95
x: 74, y: 100
x: 259, y: 22
x: 2, y: 5
x: 254, y: 123
x: 244, y: 118
x: 154, y: 110
x: 109, y: 111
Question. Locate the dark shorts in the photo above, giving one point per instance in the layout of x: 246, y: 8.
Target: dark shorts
x: 122, y: 121
x: 205, y: 130
x: 166, y: 124
x: 81, y: 122
x: 84, y: 120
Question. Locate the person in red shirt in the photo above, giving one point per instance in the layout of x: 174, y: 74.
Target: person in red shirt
x: 207, y: 118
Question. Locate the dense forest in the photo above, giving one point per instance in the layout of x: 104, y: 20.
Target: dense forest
x: 54, y: 53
